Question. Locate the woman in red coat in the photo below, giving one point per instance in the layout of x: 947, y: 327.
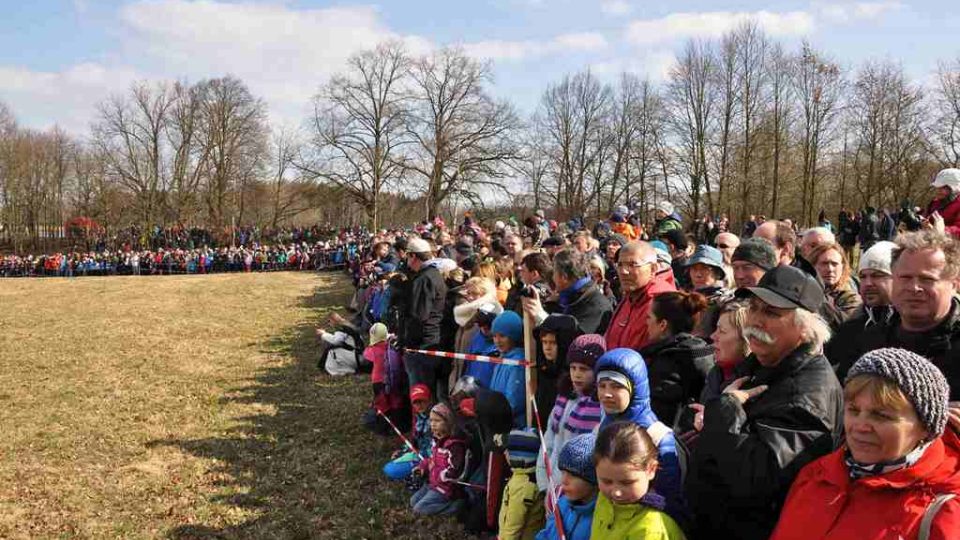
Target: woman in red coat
x: 943, y: 213
x: 897, y: 466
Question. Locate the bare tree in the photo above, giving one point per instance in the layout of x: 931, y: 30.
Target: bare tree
x: 234, y: 134
x: 818, y: 85
x: 751, y: 53
x: 128, y: 134
x: 691, y: 99
x: 889, y: 145
x: 188, y: 152
x: 287, y: 193
x: 464, y: 137
x: 574, y: 117
x: 358, y: 128
x: 946, y: 125
x: 779, y: 67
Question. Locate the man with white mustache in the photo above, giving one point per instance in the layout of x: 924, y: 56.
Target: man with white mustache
x: 783, y: 411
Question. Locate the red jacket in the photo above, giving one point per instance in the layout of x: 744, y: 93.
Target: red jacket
x: 628, y: 328
x: 950, y: 210
x: 825, y: 504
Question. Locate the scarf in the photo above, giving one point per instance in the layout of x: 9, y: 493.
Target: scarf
x: 568, y: 295
x: 878, y: 315
x: 860, y: 470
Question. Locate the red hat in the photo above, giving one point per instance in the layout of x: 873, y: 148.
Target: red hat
x: 420, y: 392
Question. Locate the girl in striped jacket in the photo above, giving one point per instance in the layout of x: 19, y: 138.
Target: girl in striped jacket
x: 577, y: 410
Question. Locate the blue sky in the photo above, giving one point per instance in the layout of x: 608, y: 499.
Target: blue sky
x: 59, y: 58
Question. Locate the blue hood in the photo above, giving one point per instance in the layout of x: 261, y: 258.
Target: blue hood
x: 630, y: 363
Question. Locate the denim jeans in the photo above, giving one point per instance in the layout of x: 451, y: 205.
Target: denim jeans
x: 428, y: 502
x: 428, y: 370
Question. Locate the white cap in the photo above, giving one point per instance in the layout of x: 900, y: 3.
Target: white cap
x: 623, y: 210
x: 665, y: 206
x: 878, y: 258
x: 498, y: 225
x: 418, y: 245
x: 949, y: 178
x: 442, y: 264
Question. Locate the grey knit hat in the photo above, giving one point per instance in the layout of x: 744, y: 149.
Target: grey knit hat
x: 922, y: 382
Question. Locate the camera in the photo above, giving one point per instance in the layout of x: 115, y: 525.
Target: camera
x: 528, y: 292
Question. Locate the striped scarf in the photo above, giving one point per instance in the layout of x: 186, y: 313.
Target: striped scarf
x: 862, y: 470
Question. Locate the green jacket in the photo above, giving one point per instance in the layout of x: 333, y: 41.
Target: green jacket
x: 632, y: 522
x: 522, y: 511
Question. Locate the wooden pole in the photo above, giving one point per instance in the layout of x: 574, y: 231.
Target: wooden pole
x: 530, y: 355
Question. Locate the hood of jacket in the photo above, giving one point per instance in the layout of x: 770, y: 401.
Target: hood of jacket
x: 630, y: 363
x: 463, y: 313
x: 566, y: 329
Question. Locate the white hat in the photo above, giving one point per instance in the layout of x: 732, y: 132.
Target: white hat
x: 949, y: 178
x: 418, y: 245
x: 623, y: 210
x: 878, y: 257
x: 442, y: 264
x: 499, y: 225
x: 666, y: 207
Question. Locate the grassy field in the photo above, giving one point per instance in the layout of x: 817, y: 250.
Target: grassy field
x: 186, y: 407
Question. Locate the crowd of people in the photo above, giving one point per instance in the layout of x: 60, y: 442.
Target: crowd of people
x: 745, y: 386
x: 188, y: 254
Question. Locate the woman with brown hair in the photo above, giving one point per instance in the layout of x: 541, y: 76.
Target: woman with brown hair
x: 677, y: 361
x: 833, y: 272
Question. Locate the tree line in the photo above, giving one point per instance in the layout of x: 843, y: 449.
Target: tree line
x: 742, y: 125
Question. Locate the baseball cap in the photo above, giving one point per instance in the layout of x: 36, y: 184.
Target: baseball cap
x: 787, y: 287
x: 418, y: 245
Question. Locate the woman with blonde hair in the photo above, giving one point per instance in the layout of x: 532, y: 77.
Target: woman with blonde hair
x: 833, y: 272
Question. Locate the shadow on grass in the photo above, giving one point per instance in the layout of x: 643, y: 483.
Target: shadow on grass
x: 306, y: 468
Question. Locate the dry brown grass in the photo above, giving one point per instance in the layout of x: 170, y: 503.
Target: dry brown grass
x: 185, y: 407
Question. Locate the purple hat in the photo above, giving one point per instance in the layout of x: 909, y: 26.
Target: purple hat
x: 586, y: 349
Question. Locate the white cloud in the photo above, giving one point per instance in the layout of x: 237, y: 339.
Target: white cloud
x: 284, y: 54
x: 67, y: 98
x: 714, y: 24
x: 850, y: 12
x: 522, y: 50
x: 615, y: 7
x: 655, y: 65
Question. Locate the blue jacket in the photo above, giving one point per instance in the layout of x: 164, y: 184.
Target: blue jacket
x: 481, y: 371
x: 509, y: 381
x: 668, y: 482
x: 577, y: 520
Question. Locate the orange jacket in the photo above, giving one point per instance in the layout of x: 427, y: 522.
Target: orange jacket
x: 825, y: 504
x: 625, y: 229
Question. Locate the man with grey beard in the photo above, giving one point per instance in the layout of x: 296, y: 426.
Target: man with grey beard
x: 783, y: 411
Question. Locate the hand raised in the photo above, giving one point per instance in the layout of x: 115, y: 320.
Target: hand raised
x: 742, y: 396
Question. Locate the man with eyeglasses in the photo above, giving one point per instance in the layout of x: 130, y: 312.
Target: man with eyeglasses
x: 727, y: 243
x: 926, y: 274
x: 781, y: 412
x: 639, y: 283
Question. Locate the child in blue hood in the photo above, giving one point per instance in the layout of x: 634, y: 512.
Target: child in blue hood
x: 579, y: 485
x: 509, y: 380
x: 624, y: 392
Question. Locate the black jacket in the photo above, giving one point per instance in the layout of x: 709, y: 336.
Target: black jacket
x: 591, y: 308
x: 845, y: 342
x: 748, y: 455
x: 940, y: 345
x: 421, y: 326
x: 677, y: 367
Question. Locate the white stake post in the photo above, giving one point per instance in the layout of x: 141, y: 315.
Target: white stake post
x: 529, y: 354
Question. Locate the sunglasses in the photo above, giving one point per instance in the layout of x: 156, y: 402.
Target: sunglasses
x: 723, y: 246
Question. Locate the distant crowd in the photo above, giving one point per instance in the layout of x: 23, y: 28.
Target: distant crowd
x: 323, y: 250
